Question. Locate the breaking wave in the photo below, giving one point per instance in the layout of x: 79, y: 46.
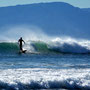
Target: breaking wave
x: 8, y: 47
x: 54, y: 46
x: 24, y: 79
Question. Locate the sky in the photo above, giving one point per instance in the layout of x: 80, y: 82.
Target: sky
x: 76, y: 3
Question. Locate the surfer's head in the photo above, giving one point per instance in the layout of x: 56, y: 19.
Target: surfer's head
x: 20, y: 37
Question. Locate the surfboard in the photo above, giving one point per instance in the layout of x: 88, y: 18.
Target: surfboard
x: 23, y: 51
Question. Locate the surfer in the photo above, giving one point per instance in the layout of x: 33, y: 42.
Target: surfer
x: 20, y: 43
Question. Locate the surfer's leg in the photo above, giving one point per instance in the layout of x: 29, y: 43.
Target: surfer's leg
x: 21, y: 47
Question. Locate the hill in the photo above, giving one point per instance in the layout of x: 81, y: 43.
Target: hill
x: 86, y: 9
x: 55, y: 18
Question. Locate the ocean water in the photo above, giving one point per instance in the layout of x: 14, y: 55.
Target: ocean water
x: 57, y: 64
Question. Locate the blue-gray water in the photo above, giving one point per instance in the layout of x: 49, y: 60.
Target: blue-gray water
x: 49, y: 61
x: 43, y: 70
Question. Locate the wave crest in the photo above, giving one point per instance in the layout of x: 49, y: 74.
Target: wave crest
x: 51, y: 46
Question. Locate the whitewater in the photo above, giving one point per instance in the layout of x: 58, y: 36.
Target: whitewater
x: 56, y: 64
x: 51, y: 62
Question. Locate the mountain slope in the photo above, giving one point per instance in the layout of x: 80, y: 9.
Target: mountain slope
x: 86, y: 9
x: 54, y: 18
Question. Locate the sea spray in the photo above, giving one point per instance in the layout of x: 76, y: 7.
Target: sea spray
x: 37, y: 41
x: 26, y: 32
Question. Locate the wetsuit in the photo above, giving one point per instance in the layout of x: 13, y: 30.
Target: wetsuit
x: 20, y: 43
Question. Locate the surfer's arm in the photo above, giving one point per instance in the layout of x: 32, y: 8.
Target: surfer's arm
x: 23, y: 41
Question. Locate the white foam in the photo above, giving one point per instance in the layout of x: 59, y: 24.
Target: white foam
x: 70, y: 45
x: 47, y: 77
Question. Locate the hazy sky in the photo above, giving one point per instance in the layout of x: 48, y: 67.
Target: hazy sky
x: 77, y: 3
